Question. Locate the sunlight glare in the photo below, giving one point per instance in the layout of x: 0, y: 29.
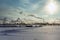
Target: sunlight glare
x: 51, y: 7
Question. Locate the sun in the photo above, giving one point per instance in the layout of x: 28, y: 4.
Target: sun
x: 51, y: 7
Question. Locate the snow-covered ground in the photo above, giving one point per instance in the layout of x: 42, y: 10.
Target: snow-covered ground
x: 38, y: 33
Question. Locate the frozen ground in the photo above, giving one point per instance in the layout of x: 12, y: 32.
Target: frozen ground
x: 39, y: 33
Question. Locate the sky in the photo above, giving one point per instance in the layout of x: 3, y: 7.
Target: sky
x: 46, y: 9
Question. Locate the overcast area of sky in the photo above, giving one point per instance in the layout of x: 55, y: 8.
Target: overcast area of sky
x: 12, y: 8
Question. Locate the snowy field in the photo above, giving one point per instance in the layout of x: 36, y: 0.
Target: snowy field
x: 36, y: 33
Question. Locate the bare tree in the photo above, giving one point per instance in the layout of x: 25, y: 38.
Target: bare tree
x: 4, y: 20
